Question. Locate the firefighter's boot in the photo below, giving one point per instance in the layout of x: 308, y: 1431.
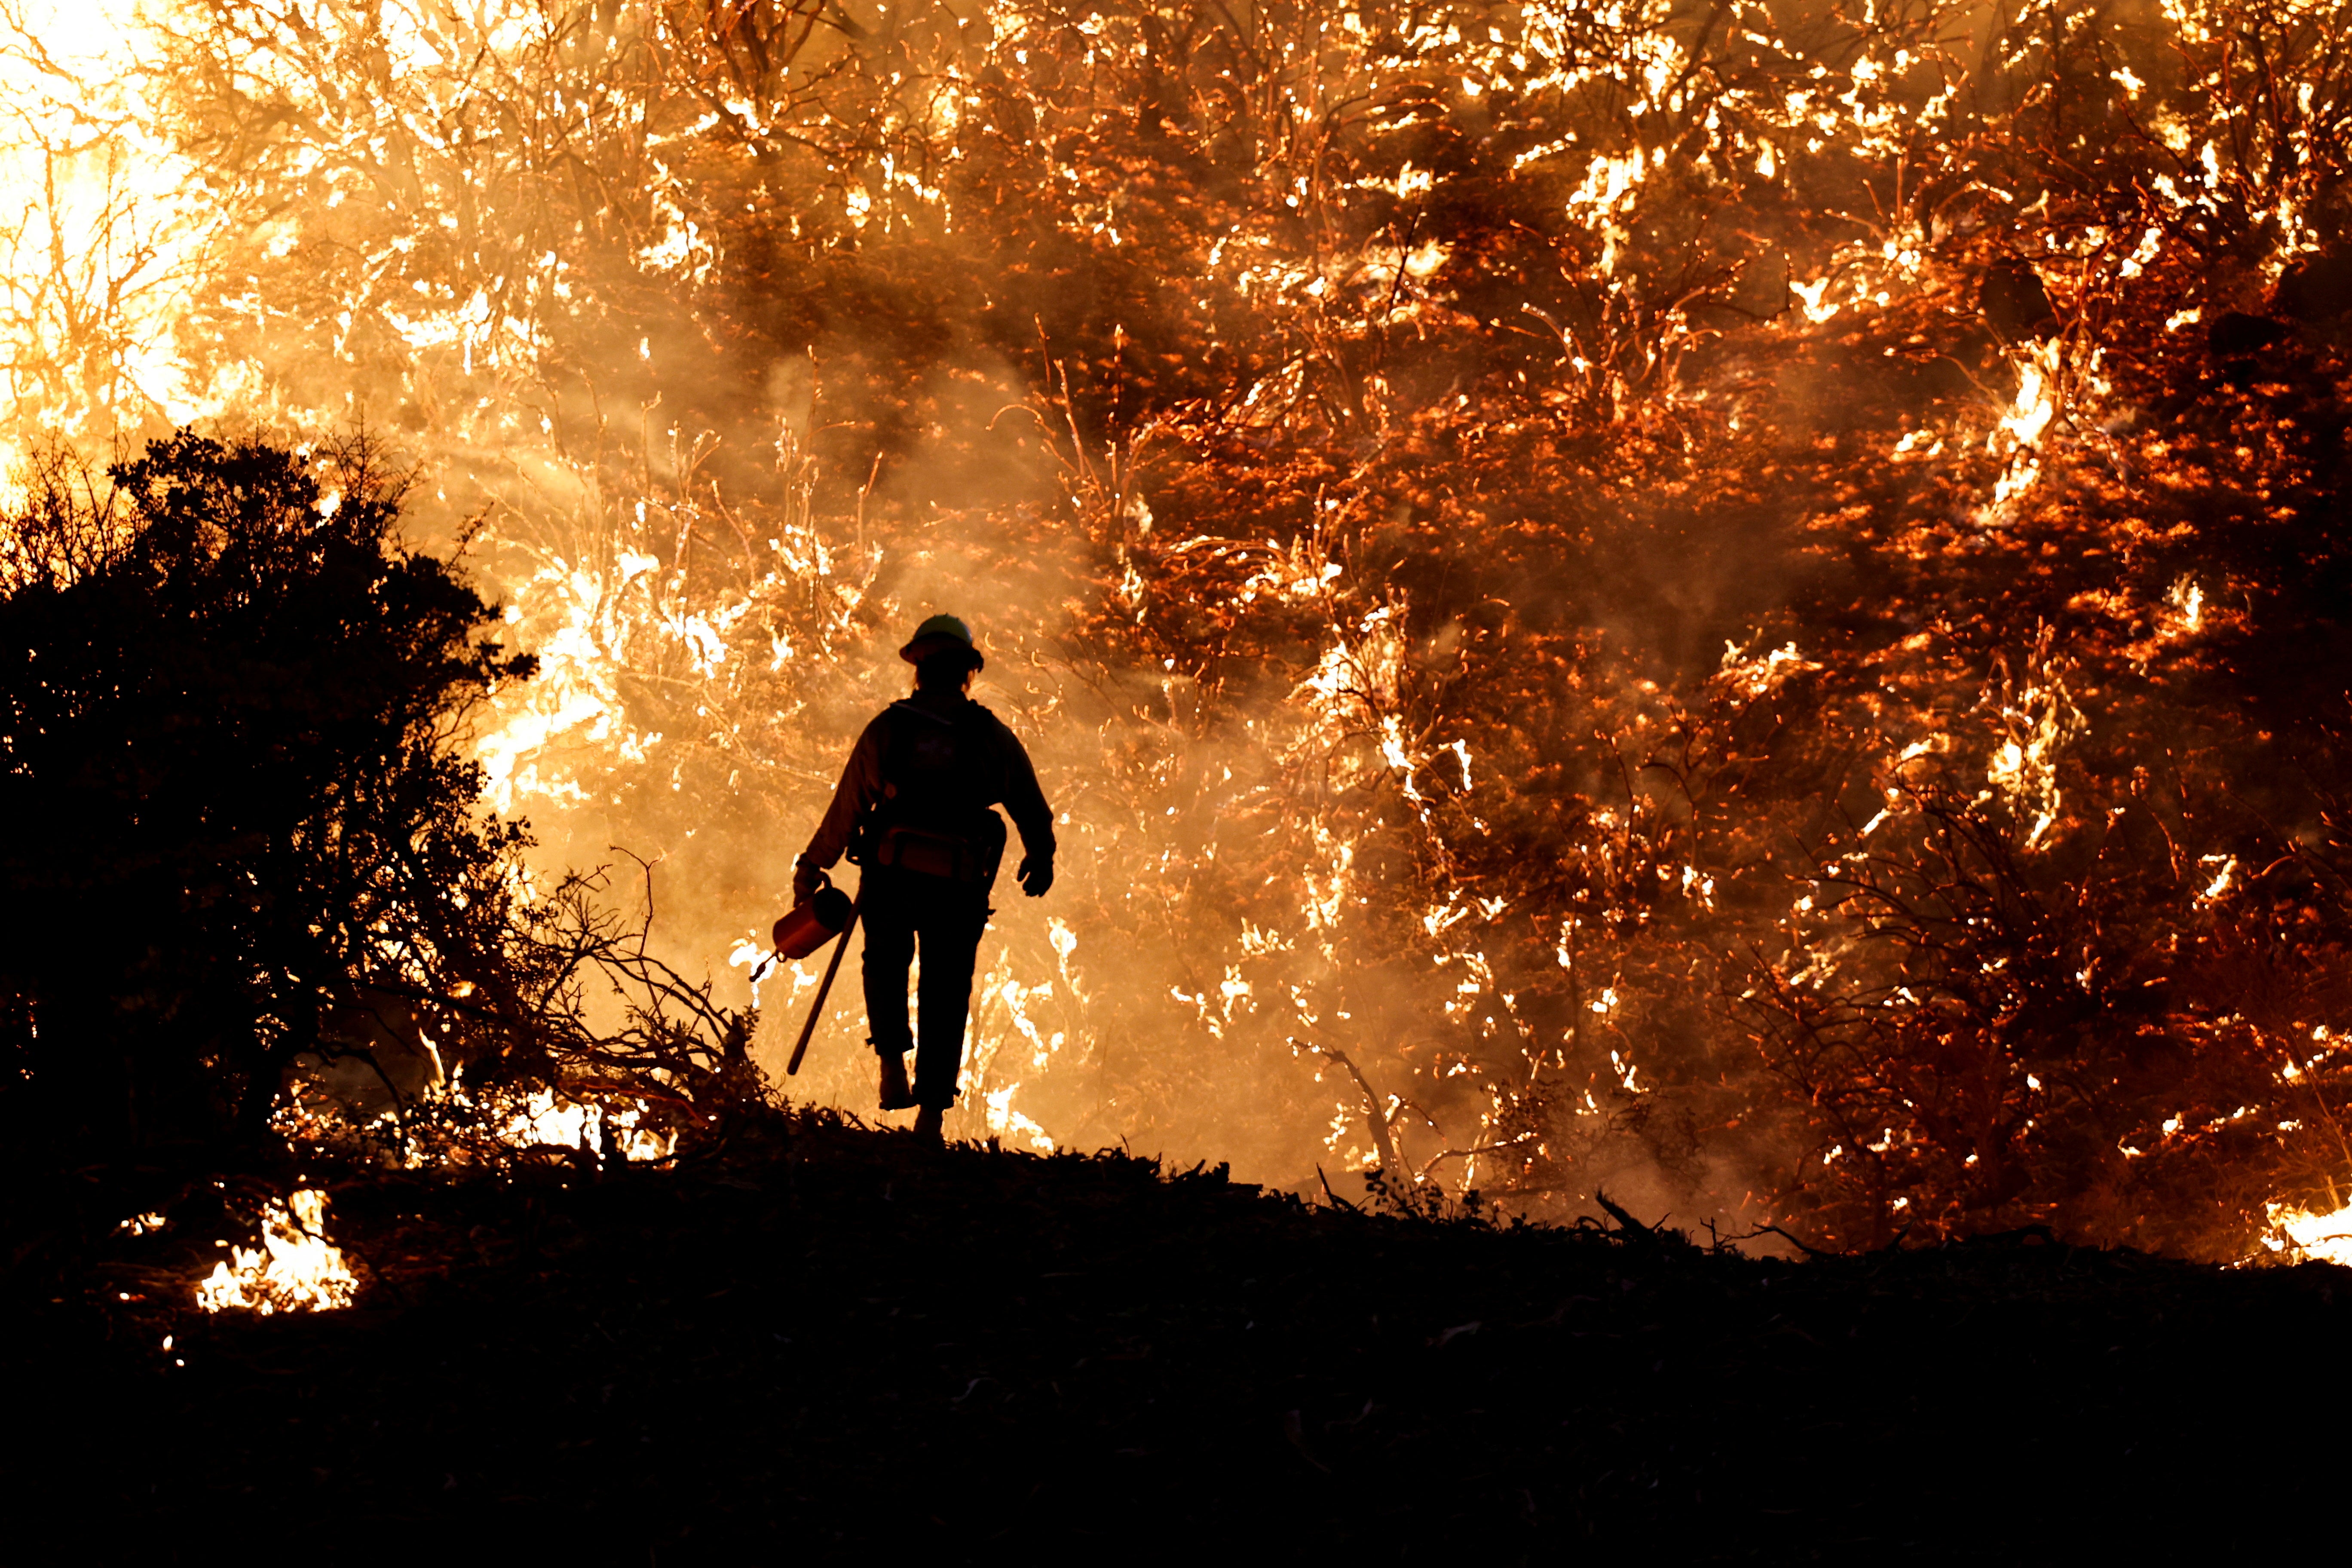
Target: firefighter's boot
x: 896, y: 1093
x: 927, y: 1126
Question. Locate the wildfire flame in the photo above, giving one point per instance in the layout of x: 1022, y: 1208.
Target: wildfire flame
x: 543, y: 1117
x: 2300, y: 1234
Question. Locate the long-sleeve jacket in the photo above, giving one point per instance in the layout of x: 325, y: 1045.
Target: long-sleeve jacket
x: 931, y: 761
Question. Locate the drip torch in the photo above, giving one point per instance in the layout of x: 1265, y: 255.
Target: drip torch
x: 828, y: 913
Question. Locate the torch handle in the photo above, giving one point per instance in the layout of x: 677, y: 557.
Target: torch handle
x: 823, y: 991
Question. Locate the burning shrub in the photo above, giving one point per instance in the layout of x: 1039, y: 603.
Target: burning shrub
x: 1737, y: 602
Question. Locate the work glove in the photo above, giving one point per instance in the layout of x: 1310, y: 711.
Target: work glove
x: 1035, y: 874
x: 806, y: 880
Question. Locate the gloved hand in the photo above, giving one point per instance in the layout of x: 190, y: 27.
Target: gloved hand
x: 806, y: 880
x: 1035, y: 874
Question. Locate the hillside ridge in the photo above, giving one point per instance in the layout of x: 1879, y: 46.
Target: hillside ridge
x: 825, y: 1339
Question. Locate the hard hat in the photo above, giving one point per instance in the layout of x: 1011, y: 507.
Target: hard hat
x: 937, y: 634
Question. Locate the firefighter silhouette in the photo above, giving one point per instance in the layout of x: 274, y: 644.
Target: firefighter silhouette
x: 914, y: 812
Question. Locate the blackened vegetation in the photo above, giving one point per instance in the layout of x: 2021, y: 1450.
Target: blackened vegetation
x: 812, y: 1344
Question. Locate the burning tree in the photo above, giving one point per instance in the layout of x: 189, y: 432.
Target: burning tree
x: 1718, y: 600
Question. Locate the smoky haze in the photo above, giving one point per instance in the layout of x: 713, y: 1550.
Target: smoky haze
x: 1583, y: 578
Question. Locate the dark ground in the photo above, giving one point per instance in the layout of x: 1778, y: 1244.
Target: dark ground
x: 825, y: 1346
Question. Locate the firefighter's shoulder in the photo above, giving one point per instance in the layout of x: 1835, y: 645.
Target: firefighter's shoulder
x: 985, y: 717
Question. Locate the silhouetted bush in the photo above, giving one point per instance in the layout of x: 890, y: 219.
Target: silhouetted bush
x: 233, y: 811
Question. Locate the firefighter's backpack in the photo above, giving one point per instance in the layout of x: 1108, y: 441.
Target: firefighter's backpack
x: 934, y: 819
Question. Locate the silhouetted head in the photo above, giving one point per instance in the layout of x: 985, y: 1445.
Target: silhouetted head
x: 946, y: 670
x: 944, y: 656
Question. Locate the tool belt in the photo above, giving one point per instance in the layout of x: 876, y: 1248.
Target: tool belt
x: 953, y: 856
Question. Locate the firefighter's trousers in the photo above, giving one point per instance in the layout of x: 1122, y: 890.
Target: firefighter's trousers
x: 901, y: 910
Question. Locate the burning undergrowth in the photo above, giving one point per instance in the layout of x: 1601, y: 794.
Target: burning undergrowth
x: 1737, y: 603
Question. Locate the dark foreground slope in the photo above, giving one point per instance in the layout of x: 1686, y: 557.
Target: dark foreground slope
x: 828, y: 1345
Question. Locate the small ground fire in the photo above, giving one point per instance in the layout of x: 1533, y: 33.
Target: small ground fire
x: 295, y: 1269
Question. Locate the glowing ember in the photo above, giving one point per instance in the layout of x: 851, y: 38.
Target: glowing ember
x: 295, y: 1269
